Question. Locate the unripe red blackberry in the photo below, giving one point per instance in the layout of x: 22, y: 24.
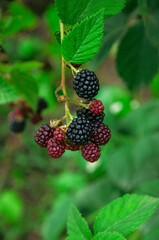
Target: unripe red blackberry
x: 43, y: 134
x: 86, y: 84
x: 79, y: 131
x: 96, y: 107
x: 59, y: 134
x: 91, y: 152
x: 55, y: 148
x: 102, y: 135
x: 72, y: 147
x: 94, y: 119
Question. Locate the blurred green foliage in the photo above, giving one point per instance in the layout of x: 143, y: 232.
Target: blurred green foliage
x: 36, y: 191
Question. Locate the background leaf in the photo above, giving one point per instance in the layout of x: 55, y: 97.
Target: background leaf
x: 108, y: 236
x: 83, y: 42
x: 69, y: 13
x: 7, y: 91
x: 77, y: 226
x: 26, y: 85
x: 137, y: 59
x: 125, y: 214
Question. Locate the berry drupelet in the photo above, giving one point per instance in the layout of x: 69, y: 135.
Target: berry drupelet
x: 94, y: 119
x: 79, y: 131
x: 102, y: 135
x: 43, y: 134
x: 91, y: 152
x: 86, y: 84
x: 55, y: 148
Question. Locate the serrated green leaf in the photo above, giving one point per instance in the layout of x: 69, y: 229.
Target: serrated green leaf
x: 7, y: 92
x: 137, y: 59
x: 108, y: 236
x: 26, y: 85
x: 73, y: 11
x: 77, y: 226
x: 83, y: 42
x: 125, y: 214
x: 68, y: 10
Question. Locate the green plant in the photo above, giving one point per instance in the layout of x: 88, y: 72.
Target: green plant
x: 115, y: 221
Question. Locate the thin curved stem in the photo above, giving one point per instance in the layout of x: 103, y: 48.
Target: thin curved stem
x: 78, y: 103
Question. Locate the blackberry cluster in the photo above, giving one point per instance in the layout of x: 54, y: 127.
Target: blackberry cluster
x: 86, y: 132
x: 86, y: 84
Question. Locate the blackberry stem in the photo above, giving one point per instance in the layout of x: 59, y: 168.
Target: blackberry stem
x: 72, y: 67
x: 63, y: 86
x: 78, y: 103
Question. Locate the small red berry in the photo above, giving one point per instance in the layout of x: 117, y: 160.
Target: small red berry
x: 55, y: 148
x: 91, y: 152
x: 74, y: 65
x: 96, y: 107
x: 72, y: 147
x: 102, y: 135
x: 43, y: 134
x: 59, y: 134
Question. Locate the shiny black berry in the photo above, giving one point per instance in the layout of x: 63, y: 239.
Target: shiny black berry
x: 93, y: 118
x: 79, y: 131
x: 86, y: 84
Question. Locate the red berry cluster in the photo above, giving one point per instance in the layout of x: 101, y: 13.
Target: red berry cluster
x: 56, y: 140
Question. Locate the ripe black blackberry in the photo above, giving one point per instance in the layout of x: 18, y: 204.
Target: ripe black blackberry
x: 17, y: 126
x: 41, y: 105
x: 94, y: 119
x: 43, y: 134
x: 86, y: 84
x: 79, y: 131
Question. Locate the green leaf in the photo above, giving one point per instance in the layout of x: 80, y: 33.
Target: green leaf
x: 56, y: 220
x: 83, y: 42
x: 137, y: 59
x: 27, y: 66
x: 20, y: 18
x: 134, y: 161
x: 125, y: 214
x: 77, y: 226
x: 26, y: 85
x: 113, y: 27
x: 68, y: 10
x: 7, y: 92
x: 152, y: 28
x: 108, y: 236
x: 73, y: 11
x: 52, y: 19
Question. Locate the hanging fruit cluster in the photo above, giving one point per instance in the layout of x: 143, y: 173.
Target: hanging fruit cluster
x: 86, y: 132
